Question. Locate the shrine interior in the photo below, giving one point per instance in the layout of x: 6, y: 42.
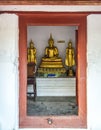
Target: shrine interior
x: 51, y: 70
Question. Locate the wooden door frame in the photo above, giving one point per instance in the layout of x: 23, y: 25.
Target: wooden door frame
x: 53, y: 19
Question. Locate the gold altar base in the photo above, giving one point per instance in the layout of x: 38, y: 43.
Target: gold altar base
x: 51, y: 70
x: 51, y: 64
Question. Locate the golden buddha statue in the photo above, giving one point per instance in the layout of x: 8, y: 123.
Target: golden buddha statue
x: 31, y: 53
x: 51, y: 62
x: 70, y: 61
x: 51, y: 59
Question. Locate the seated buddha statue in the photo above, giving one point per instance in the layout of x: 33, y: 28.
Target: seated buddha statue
x: 51, y: 58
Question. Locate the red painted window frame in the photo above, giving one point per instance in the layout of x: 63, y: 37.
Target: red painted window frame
x: 53, y: 19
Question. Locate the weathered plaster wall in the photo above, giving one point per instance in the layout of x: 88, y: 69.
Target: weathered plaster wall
x: 9, y: 72
x: 94, y: 71
x: 51, y: 8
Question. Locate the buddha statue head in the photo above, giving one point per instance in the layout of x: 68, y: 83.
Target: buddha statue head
x: 51, y: 41
x: 70, y: 44
x: 31, y: 44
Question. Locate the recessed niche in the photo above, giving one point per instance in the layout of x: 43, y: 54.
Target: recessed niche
x: 49, y: 94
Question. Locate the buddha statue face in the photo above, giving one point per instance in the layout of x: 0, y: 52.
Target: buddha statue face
x: 51, y: 43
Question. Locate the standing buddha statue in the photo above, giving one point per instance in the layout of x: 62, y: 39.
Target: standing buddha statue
x: 31, y: 53
x: 69, y: 60
x: 31, y: 59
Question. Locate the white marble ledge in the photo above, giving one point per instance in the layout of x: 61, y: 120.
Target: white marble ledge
x: 56, y: 86
x: 56, y: 79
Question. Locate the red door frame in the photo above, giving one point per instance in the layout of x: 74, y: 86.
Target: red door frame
x: 53, y: 18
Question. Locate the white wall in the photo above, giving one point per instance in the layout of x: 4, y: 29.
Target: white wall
x: 9, y: 72
x: 94, y: 71
x: 51, y: 8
